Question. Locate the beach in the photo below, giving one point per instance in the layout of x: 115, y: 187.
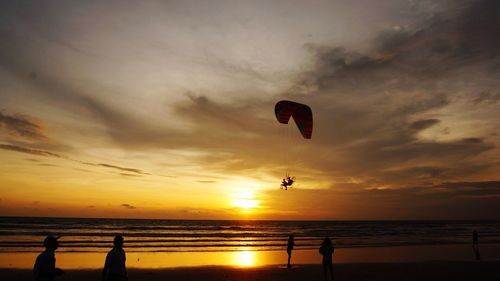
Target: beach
x: 445, y: 262
x: 253, y: 259
x: 254, y: 250
x: 429, y: 271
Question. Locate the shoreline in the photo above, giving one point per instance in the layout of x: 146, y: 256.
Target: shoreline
x: 444, y: 270
x: 256, y: 259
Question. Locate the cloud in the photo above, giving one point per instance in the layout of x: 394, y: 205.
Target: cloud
x: 370, y: 110
x: 466, y: 200
x: 411, y: 59
x: 488, y: 97
x: 22, y: 126
x: 234, y: 119
x: 125, y: 169
x: 380, y: 113
x: 424, y: 124
x: 47, y: 165
x: 371, y: 107
x: 481, y: 184
x: 51, y: 154
x: 481, y: 189
x: 30, y: 151
x: 129, y: 175
x: 128, y: 206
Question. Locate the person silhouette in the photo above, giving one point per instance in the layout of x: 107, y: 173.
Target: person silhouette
x: 45, y: 264
x: 114, y: 266
x: 289, y: 248
x: 284, y: 183
x: 287, y: 182
x: 326, y: 250
x: 475, y: 244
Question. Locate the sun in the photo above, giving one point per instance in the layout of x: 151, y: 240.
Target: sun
x: 245, y: 201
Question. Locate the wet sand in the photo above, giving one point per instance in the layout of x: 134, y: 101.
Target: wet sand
x: 443, y: 262
x: 143, y: 260
x: 429, y: 271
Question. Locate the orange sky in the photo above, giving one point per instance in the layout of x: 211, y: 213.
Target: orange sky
x: 165, y: 110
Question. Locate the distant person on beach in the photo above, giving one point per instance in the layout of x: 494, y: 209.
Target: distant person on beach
x: 326, y: 250
x: 475, y: 244
x: 45, y: 265
x: 114, y: 267
x: 289, y: 248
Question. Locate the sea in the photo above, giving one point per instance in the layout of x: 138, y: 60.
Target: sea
x: 26, y: 234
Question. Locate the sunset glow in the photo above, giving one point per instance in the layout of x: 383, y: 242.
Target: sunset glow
x: 168, y: 110
x: 245, y: 201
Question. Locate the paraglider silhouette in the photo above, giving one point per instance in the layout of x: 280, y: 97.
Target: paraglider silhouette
x: 287, y: 182
x: 302, y: 115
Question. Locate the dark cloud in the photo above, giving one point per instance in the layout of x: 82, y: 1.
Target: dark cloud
x: 364, y: 144
x: 424, y: 124
x: 420, y: 173
x: 30, y: 151
x: 51, y: 154
x: 207, y: 181
x: 125, y: 169
x: 366, y: 104
x: 408, y: 60
x: 476, y: 185
x: 488, y: 97
x: 19, y: 60
x: 225, y: 120
x: 129, y: 175
x: 47, y: 165
x: 369, y: 110
x: 22, y: 126
x: 472, y: 200
x: 32, y: 160
x: 128, y: 206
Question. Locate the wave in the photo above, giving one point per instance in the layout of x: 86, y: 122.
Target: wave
x: 26, y: 234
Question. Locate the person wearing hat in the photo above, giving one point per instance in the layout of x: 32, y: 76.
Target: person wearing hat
x: 114, y: 266
x: 45, y: 265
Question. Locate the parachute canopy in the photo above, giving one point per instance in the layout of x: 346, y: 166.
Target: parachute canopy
x: 301, y: 113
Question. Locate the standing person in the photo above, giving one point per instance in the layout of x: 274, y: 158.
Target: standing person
x: 114, y: 267
x: 45, y: 265
x: 475, y: 244
x: 327, y: 250
x: 289, y: 249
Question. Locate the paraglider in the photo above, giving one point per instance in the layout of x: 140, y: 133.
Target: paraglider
x: 302, y: 115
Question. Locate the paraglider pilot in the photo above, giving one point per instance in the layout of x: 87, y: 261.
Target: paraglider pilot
x: 287, y: 182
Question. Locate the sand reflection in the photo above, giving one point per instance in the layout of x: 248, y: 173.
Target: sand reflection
x: 248, y: 259
x: 244, y: 259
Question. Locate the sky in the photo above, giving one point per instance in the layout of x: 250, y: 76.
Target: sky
x: 165, y: 109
